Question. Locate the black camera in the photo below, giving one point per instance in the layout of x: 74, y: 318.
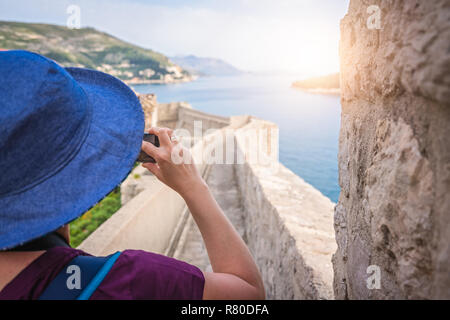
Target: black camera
x: 143, y: 157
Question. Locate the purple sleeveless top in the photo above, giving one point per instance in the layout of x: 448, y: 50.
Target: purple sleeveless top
x: 135, y: 275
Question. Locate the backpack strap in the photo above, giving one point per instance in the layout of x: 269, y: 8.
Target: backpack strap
x: 88, y: 271
x: 98, y: 278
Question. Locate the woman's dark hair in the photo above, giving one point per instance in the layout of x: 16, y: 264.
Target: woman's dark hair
x: 48, y: 241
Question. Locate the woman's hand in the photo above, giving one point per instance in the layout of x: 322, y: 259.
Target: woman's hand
x: 182, y: 174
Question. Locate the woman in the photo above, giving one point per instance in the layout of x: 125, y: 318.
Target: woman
x: 67, y: 138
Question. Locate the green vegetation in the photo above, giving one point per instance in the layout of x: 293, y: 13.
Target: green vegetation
x: 326, y: 82
x: 82, y: 227
x: 89, y: 48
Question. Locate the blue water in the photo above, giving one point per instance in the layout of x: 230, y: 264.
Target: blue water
x: 308, y: 123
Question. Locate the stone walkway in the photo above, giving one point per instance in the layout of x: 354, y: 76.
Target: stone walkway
x: 222, y: 182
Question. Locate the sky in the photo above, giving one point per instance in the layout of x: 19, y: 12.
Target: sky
x: 292, y: 36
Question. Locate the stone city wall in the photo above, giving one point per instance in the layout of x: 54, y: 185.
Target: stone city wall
x: 289, y: 226
x: 393, y: 214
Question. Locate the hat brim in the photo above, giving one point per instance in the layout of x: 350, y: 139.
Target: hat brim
x: 103, y: 161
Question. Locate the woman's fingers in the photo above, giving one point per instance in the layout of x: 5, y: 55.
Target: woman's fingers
x: 163, y: 135
x: 154, y: 130
x: 164, y: 138
x: 157, y: 130
x: 150, y: 149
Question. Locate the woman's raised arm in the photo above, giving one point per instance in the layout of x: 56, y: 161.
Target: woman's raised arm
x: 235, y: 274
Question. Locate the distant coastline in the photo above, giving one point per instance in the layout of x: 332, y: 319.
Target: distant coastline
x: 161, y: 81
x: 328, y: 84
x: 202, y: 66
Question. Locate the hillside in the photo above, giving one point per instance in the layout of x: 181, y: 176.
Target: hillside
x: 324, y: 84
x: 92, y: 49
x: 206, y: 66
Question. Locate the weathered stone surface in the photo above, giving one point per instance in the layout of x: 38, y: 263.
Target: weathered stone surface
x: 399, y: 194
x: 161, y: 114
x: 222, y: 183
x: 409, y: 53
x: 136, y: 182
x: 149, y: 105
x: 168, y: 113
x: 394, y: 152
x: 288, y: 227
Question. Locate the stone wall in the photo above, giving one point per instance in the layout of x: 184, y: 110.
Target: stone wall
x: 149, y: 105
x: 161, y: 114
x: 146, y: 222
x: 188, y: 116
x: 167, y: 114
x: 289, y: 224
x: 394, y: 152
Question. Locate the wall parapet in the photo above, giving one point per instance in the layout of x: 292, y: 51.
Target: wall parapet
x: 289, y: 228
x: 146, y: 222
x: 187, y: 117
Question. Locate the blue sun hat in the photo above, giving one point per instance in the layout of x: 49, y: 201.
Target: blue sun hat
x: 68, y: 137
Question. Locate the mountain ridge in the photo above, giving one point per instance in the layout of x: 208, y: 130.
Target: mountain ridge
x: 94, y: 49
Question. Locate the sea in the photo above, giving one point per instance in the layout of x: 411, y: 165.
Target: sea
x: 308, y: 123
